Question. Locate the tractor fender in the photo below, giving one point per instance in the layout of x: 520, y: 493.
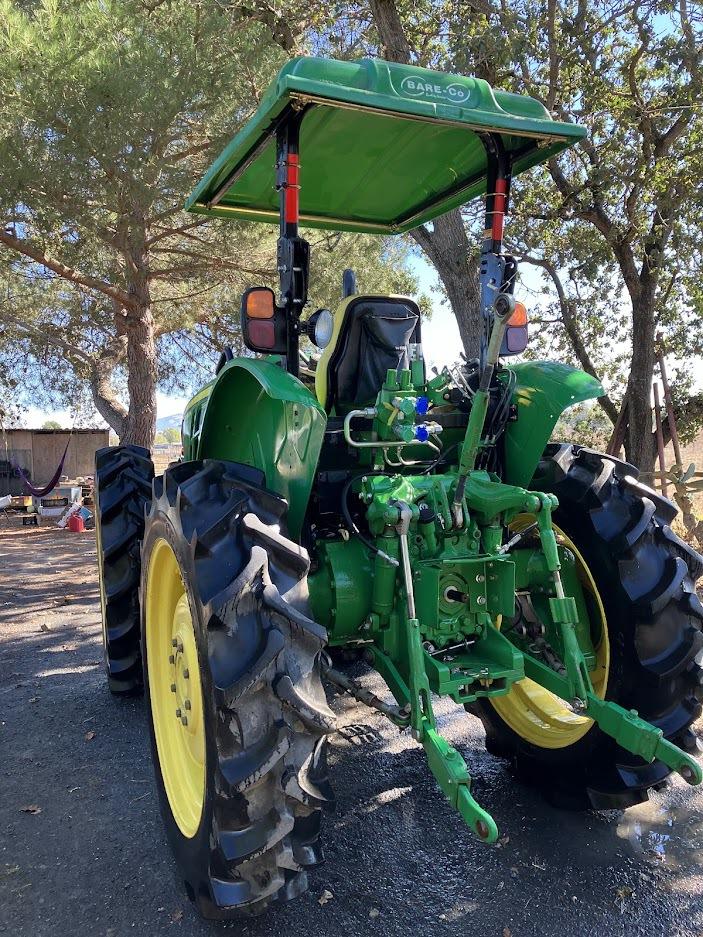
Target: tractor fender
x: 544, y: 390
x: 256, y: 413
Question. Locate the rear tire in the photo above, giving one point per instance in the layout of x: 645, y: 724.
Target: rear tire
x: 646, y: 578
x: 123, y: 477
x: 264, y: 714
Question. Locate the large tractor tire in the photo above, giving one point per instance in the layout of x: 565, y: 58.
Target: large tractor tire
x: 640, y: 579
x: 123, y: 478
x: 238, y: 714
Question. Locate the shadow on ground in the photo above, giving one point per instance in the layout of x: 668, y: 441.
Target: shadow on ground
x: 93, y: 861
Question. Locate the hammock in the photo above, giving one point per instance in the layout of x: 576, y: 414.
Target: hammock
x: 49, y: 487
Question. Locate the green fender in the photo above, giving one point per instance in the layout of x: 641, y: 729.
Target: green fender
x: 256, y: 413
x: 544, y: 390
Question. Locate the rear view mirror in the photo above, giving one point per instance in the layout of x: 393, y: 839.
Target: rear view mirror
x: 263, y: 323
x: 515, y: 338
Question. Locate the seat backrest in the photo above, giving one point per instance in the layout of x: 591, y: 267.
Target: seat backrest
x: 371, y: 335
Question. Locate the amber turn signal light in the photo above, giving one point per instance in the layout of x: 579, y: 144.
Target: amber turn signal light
x: 259, y: 303
x: 519, y: 316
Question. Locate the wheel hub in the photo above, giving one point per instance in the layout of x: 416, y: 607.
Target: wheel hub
x: 182, y: 660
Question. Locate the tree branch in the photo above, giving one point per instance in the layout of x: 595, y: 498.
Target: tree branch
x: 570, y: 322
x: 47, y: 336
x: 67, y: 273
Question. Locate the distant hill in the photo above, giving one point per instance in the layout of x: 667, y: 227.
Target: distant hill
x: 169, y: 422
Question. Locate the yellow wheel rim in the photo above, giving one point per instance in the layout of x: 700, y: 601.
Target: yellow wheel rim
x: 175, y: 691
x: 534, y: 713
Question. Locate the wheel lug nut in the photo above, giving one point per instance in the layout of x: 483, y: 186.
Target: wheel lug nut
x: 174, y: 643
x: 184, y: 720
x: 186, y: 673
x: 178, y: 714
x: 187, y: 704
x: 171, y: 659
x: 173, y: 687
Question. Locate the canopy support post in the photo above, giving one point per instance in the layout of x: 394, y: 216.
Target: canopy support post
x: 293, y: 254
x: 497, y: 271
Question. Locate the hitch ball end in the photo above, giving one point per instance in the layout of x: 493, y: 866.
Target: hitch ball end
x: 504, y: 305
x: 688, y: 774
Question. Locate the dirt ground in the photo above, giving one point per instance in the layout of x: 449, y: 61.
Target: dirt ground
x: 82, y: 850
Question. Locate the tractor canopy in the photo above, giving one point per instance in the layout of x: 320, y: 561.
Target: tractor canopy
x: 384, y: 147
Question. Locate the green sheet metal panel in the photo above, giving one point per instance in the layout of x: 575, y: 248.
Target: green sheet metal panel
x: 383, y: 147
x: 258, y: 414
x: 544, y: 390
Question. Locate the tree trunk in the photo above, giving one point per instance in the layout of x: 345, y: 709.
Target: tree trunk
x: 105, y: 399
x: 390, y: 30
x: 640, y: 446
x: 447, y: 248
x: 142, y: 373
x: 136, y: 322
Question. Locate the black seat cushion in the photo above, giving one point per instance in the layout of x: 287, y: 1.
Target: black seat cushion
x: 374, y: 338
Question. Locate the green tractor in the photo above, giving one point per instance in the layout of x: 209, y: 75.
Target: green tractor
x: 424, y: 521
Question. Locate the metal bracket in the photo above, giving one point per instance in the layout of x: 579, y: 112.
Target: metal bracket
x: 641, y: 738
x: 629, y: 730
x: 452, y: 775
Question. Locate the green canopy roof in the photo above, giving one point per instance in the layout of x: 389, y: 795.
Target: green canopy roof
x: 383, y: 147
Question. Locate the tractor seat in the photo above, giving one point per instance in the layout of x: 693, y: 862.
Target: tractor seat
x: 371, y: 334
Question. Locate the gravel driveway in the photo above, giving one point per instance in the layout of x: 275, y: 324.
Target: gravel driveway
x: 82, y: 850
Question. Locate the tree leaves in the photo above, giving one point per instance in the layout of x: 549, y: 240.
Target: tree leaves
x: 109, y: 115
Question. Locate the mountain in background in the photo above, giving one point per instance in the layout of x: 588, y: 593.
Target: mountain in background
x: 169, y: 422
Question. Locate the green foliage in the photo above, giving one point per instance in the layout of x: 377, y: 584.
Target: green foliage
x: 617, y: 219
x: 584, y: 423
x: 109, y: 113
x: 51, y: 424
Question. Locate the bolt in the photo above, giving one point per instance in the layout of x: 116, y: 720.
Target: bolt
x: 187, y: 704
x: 184, y: 720
x: 174, y: 642
x: 178, y: 714
x: 480, y: 578
x: 173, y: 687
x: 171, y: 659
x: 186, y: 673
x: 480, y: 599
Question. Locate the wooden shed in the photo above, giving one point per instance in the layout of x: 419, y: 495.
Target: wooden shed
x: 38, y: 452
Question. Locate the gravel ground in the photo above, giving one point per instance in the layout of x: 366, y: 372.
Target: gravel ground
x: 82, y: 850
